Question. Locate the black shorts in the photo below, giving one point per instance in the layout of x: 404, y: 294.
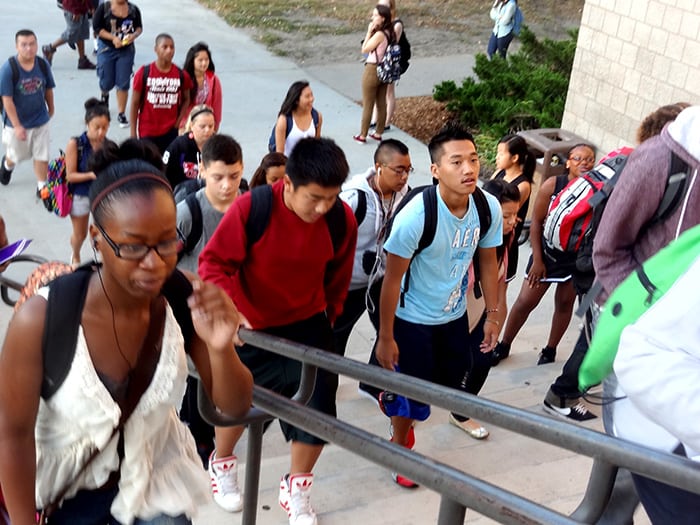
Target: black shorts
x: 282, y: 374
x: 436, y: 353
x: 558, y: 265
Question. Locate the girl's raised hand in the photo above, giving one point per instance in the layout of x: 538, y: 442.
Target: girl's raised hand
x: 216, y: 319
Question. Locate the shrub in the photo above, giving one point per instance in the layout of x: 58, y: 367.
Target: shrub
x: 527, y: 90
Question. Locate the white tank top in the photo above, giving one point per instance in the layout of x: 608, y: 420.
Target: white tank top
x: 296, y: 134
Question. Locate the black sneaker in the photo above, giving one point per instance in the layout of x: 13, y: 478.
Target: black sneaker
x: 123, y: 121
x: 500, y: 352
x: 578, y: 412
x: 5, y: 174
x: 547, y: 355
x: 104, y: 98
x: 48, y: 51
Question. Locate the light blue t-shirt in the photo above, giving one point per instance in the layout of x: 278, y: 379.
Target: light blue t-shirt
x: 27, y: 93
x: 440, y: 273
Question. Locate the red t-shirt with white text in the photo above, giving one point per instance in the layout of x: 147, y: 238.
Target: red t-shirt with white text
x: 161, y: 100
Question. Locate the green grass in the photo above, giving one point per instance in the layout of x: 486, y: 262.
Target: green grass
x: 293, y: 16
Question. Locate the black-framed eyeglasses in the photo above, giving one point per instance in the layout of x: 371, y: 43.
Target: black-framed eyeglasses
x: 400, y: 170
x: 136, y: 252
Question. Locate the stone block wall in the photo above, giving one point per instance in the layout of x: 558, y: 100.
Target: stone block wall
x: 632, y: 56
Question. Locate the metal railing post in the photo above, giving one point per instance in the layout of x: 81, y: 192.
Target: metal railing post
x: 252, y: 473
x: 598, y: 491
x: 451, y: 512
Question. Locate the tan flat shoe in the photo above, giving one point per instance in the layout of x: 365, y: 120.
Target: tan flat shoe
x: 471, y: 427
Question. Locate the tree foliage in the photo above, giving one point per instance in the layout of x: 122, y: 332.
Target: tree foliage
x: 527, y: 90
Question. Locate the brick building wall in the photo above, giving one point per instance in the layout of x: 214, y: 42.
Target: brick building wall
x: 632, y: 56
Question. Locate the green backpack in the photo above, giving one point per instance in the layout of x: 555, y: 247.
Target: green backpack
x: 641, y: 289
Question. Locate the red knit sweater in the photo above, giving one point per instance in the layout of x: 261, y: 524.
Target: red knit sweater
x: 290, y: 274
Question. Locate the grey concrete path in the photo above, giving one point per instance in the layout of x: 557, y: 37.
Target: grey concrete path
x: 349, y: 490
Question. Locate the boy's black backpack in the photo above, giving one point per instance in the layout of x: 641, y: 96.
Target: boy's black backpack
x: 186, y: 191
x: 261, y: 209
x: 676, y: 187
x: 14, y: 66
x: 430, y: 204
x: 63, y: 313
x: 272, y: 143
x: 405, y: 46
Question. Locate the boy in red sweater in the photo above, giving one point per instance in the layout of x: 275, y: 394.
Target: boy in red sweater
x: 290, y: 283
x: 157, y: 107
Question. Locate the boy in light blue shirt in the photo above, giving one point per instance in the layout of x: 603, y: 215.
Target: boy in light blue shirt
x: 426, y: 336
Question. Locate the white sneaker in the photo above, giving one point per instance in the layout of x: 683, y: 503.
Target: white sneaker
x: 223, y: 474
x: 295, y: 499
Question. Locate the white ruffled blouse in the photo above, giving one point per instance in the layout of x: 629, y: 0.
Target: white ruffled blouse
x: 161, y: 471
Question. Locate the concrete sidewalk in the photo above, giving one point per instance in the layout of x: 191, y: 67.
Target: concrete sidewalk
x: 349, y: 489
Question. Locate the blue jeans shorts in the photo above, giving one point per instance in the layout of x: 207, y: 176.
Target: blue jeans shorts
x: 114, y: 66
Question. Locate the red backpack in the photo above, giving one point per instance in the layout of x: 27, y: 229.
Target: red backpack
x: 571, y: 210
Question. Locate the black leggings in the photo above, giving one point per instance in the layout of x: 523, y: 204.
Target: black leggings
x: 479, y: 364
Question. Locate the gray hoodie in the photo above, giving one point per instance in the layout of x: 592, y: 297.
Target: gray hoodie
x: 368, y: 231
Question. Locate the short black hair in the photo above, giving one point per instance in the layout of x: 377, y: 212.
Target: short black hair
x: 162, y: 36
x: 452, y: 131
x: 222, y: 148
x: 24, y: 32
x: 388, y: 146
x: 317, y: 161
x: 502, y: 190
x: 113, y: 162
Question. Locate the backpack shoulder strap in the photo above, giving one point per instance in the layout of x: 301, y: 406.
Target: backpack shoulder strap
x: 176, y: 290
x: 314, y: 116
x: 430, y: 219
x: 290, y: 125
x: 44, y: 66
x: 197, y: 223
x: 676, y: 187
x: 144, y: 79
x: 63, y: 312
x: 14, y: 66
x: 337, y: 226
x: 361, y: 210
x: 483, y: 210
x: 259, y: 216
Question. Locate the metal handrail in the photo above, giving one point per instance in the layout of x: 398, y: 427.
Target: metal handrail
x: 459, y: 490
x: 7, y: 283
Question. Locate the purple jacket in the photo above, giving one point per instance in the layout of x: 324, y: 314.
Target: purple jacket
x: 622, y: 241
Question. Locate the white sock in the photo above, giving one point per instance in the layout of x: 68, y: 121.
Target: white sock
x: 7, y: 166
x: 40, y: 184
